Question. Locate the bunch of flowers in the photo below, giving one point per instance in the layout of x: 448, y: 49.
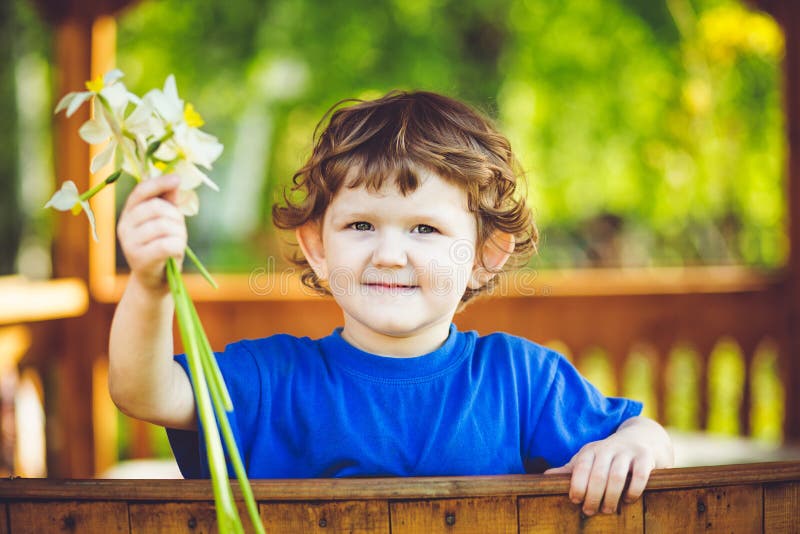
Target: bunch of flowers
x: 147, y: 137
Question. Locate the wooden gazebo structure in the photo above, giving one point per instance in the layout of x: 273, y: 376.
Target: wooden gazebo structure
x: 610, y: 309
x: 658, y: 308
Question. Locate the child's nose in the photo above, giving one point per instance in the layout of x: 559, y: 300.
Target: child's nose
x: 389, y: 251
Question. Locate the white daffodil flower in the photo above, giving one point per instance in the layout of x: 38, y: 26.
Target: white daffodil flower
x: 114, y: 127
x: 166, y: 102
x: 188, y: 147
x: 68, y: 199
x: 72, y: 101
x: 199, y: 147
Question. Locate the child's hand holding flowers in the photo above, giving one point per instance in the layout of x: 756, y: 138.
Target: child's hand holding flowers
x: 156, y: 140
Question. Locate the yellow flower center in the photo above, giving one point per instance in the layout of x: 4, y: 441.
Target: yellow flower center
x: 95, y: 85
x: 160, y: 165
x: 77, y: 208
x: 192, y: 117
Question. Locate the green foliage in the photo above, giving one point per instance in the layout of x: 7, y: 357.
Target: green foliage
x: 650, y: 132
x: 9, y: 212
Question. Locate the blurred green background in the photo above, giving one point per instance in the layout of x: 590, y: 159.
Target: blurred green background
x: 650, y: 131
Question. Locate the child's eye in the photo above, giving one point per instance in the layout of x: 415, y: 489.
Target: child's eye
x: 425, y: 229
x: 361, y: 226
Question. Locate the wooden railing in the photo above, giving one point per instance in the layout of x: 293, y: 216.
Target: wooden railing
x: 614, y: 311
x: 739, y: 498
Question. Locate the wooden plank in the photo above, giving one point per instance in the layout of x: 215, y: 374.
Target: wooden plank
x: 172, y: 517
x: 196, y: 517
x: 382, y: 488
x: 497, y: 515
x: 3, y: 518
x: 355, y: 517
x: 101, y: 516
x: 556, y: 514
x: 782, y: 508
x: 731, y: 509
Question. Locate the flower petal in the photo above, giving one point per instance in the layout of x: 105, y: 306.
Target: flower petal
x: 113, y: 121
x: 90, y: 215
x: 200, y: 148
x: 64, y: 102
x: 188, y: 202
x: 117, y: 97
x: 76, y: 102
x: 139, y: 117
x: 112, y: 76
x: 171, y: 89
x: 95, y: 131
x: 104, y: 157
x: 65, y: 198
x: 167, y: 151
x: 192, y: 177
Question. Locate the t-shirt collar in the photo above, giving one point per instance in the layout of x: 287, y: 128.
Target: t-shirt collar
x: 360, y: 362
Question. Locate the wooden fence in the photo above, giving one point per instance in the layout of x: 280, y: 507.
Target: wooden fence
x: 739, y: 498
x: 616, y: 312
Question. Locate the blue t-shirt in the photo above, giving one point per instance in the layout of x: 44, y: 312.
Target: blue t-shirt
x: 478, y: 405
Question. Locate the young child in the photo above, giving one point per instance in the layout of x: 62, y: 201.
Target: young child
x: 407, y: 209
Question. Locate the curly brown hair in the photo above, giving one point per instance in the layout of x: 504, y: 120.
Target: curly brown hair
x: 390, y: 138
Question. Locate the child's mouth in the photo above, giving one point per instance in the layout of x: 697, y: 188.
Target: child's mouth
x: 389, y: 286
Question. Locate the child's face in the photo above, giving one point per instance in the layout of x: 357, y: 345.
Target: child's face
x: 398, y: 265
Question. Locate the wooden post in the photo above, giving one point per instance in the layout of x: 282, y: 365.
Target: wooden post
x: 791, y: 24
x: 787, y: 13
x: 84, y: 47
x: 70, y: 434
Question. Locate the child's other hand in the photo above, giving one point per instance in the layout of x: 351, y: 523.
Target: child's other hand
x: 151, y: 229
x: 600, y: 469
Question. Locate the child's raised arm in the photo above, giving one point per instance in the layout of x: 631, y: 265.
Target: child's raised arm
x: 600, y: 469
x: 144, y: 381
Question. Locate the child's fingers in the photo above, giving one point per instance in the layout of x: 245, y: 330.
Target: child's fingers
x: 581, y: 469
x: 158, y: 249
x: 153, y: 187
x: 617, y: 476
x: 563, y: 470
x: 596, y: 487
x: 151, y: 209
x: 157, y: 228
x: 640, y: 473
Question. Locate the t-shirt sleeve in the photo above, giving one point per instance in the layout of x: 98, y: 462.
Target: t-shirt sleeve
x: 242, y: 377
x: 573, y: 414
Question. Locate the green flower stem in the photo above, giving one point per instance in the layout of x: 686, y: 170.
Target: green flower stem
x: 200, y: 267
x: 219, y: 396
x: 227, y: 515
x: 86, y: 195
x: 210, y: 366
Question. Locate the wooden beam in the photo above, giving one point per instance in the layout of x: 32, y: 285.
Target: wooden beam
x: 381, y: 487
x: 59, y: 11
x: 23, y: 301
x: 787, y: 13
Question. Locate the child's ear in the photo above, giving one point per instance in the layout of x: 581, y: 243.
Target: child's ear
x: 309, y: 237
x: 494, y: 253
